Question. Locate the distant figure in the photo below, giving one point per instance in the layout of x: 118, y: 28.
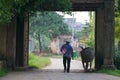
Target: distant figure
x: 87, y: 55
x: 67, y: 52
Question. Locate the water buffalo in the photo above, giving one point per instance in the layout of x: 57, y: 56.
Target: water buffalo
x: 87, y: 55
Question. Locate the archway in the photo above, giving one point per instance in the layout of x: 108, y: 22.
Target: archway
x: 104, y: 30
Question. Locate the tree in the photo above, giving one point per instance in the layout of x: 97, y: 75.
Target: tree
x: 91, y: 39
x: 10, y: 8
x: 117, y: 31
x: 87, y: 34
x: 117, y: 22
x: 49, y: 24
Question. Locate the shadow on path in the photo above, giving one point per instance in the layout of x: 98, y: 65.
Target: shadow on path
x: 52, y: 73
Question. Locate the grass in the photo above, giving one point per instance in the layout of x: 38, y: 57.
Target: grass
x: 110, y: 72
x: 4, y: 71
x: 38, y: 61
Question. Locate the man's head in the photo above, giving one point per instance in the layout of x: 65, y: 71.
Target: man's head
x: 67, y: 42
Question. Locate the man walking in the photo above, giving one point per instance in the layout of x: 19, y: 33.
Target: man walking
x: 67, y: 52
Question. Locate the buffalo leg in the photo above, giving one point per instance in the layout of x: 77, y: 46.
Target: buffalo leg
x: 83, y: 65
x: 86, y: 65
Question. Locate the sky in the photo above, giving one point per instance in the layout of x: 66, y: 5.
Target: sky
x: 80, y: 16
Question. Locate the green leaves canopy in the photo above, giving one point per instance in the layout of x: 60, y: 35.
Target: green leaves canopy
x: 117, y: 20
x: 9, y: 8
x: 50, y: 24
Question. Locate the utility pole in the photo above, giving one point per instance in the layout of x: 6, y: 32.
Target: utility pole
x: 73, y: 24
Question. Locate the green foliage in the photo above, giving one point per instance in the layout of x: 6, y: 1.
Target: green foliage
x: 111, y: 72
x: 117, y: 22
x: 118, y: 5
x: 117, y: 27
x: 9, y: 8
x: 51, y: 5
x: 5, y: 11
x: 38, y: 61
x: 45, y: 43
x: 117, y: 19
x: 91, y: 41
x: 117, y: 59
x: 46, y: 26
x: 87, y: 34
x: 4, y: 71
x: 117, y: 33
x: 49, y: 22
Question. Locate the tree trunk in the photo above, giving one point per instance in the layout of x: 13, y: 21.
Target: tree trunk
x: 39, y: 42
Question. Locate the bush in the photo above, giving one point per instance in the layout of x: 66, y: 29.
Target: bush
x: 2, y: 57
x: 117, y: 59
x: 38, y: 61
x: 4, y: 71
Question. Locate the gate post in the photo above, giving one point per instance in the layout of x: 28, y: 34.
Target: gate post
x: 26, y: 40
x: 108, y: 43
x: 104, y: 36
x: 99, y: 30
x: 22, y: 37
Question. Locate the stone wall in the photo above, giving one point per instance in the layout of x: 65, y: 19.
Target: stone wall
x: 7, y: 43
x: 55, y: 45
x: 3, y: 34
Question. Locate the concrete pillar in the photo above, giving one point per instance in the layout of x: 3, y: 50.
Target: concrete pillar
x: 108, y: 41
x: 99, y: 34
x: 104, y: 35
x: 22, y: 39
x: 19, y: 40
x: 26, y: 41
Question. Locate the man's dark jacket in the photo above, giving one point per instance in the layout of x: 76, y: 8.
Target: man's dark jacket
x: 69, y: 50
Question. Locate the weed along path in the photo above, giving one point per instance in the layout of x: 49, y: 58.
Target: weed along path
x: 55, y: 72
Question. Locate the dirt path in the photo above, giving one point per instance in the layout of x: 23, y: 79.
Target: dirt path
x: 55, y: 72
x: 57, y: 64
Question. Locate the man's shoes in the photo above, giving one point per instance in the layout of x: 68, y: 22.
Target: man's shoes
x: 68, y: 71
x: 64, y: 70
